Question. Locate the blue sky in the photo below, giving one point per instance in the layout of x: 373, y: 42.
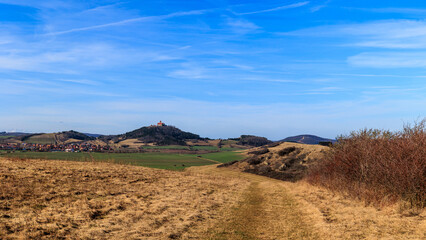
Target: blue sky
x: 217, y: 68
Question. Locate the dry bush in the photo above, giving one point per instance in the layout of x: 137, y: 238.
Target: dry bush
x: 287, y: 151
x: 260, y: 151
x: 378, y: 166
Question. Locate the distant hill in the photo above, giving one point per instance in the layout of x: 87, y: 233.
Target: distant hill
x: 254, y: 141
x: 92, y: 135
x: 65, y: 136
x: 160, y: 135
x: 52, y: 138
x: 307, y: 139
x: 13, y: 134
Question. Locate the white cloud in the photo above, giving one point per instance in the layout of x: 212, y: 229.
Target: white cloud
x: 53, y: 88
x: 56, y: 59
x: 319, y: 7
x: 379, y: 34
x: 378, y: 75
x: 295, y: 5
x: 242, y: 26
x: 80, y: 81
x: 129, y: 21
x: 189, y: 71
x: 389, y: 60
x: 45, y: 4
x: 393, y: 10
x: 324, y: 90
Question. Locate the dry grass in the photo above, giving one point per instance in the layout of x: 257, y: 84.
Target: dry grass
x: 42, y: 199
x: 273, y: 209
x: 263, y: 210
x: 56, y: 199
x: 340, y: 217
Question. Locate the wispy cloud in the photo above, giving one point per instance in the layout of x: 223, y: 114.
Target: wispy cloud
x: 58, y: 87
x: 47, y: 4
x: 128, y: 21
x: 80, y: 81
x: 392, y: 10
x: 389, y: 60
x: 402, y: 34
x: 321, y: 6
x: 241, y: 26
x: 325, y: 90
x: 272, y: 80
x: 295, y: 5
x: 76, y: 58
x: 190, y: 71
x: 101, y: 8
x: 378, y: 75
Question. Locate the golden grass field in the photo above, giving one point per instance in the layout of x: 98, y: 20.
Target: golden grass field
x: 42, y: 199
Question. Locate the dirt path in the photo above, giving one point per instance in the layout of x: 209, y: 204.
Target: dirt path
x: 264, y: 211
x: 273, y: 209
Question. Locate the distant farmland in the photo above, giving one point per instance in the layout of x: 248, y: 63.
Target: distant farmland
x: 41, y: 139
x: 207, y: 148
x: 153, y: 160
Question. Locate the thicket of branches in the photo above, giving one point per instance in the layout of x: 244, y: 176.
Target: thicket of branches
x: 377, y: 165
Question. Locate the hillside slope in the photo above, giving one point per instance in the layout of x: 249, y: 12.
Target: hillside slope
x: 56, y: 138
x: 286, y: 161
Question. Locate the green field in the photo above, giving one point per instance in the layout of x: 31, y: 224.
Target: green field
x: 225, y: 142
x: 154, y: 160
x: 208, y: 148
x: 167, y: 147
x: 230, y: 149
x: 224, y: 157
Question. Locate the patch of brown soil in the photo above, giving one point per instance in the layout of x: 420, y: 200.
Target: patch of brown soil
x: 57, y: 199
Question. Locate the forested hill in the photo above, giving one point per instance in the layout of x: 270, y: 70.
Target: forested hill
x: 307, y: 139
x: 161, y: 135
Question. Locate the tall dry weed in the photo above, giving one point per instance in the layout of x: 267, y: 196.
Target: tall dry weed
x: 378, y: 166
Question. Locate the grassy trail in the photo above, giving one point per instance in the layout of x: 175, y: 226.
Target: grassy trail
x: 266, y: 208
x: 264, y: 211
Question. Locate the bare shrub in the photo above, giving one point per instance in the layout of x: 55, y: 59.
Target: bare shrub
x: 377, y: 165
x: 286, y: 151
x: 227, y: 164
x: 254, y: 160
x: 260, y: 151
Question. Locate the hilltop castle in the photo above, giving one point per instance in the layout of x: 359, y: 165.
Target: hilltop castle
x: 159, y: 124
